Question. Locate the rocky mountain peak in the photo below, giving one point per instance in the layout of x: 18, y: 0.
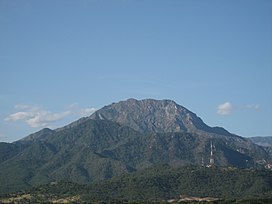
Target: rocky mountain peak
x: 104, y: 145
x: 150, y: 115
x: 40, y: 135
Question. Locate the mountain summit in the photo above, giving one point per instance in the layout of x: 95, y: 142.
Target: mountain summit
x: 157, y: 116
x: 120, y: 138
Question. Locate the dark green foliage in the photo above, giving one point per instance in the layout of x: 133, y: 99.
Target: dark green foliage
x: 160, y: 183
x: 163, y: 182
x: 122, y: 138
x: 8, y: 150
x: 38, y: 136
x: 95, y: 150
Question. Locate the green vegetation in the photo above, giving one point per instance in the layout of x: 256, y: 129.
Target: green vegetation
x: 159, y: 184
x: 96, y: 150
x: 141, y: 153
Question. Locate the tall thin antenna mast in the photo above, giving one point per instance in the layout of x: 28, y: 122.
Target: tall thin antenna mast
x: 211, y: 158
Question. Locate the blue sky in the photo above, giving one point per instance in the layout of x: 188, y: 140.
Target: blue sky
x: 61, y: 60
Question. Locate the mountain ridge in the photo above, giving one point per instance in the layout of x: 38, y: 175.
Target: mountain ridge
x: 118, y: 139
x: 158, y: 116
x: 262, y: 140
x: 180, y: 127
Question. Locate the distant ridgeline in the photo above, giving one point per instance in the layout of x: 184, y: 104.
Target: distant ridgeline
x: 122, y: 138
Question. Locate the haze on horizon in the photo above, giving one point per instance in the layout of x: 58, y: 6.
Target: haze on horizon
x: 62, y: 60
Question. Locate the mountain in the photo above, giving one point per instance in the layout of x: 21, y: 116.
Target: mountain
x: 76, y: 154
x: 157, y: 116
x: 38, y: 136
x: 265, y: 142
x: 8, y: 150
x: 121, y: 138
x: 262, y: 141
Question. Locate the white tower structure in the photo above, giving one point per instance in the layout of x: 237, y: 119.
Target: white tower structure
x: 202, y: 162
x: 211, y: 156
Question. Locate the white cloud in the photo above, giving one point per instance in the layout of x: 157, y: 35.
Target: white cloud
x: 19, y: 116
x: 87, y: 111
x: 253, y: 106
x: 21, y: 106
x: 224, y: 109
x: 37, y: 117
x: 45, y: 118
x: 72, y: 106
x: 77, y: 111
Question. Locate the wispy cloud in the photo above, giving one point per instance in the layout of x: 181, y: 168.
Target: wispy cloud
x: 21, y: 106
x: 224, y: 109
x: 82, y: 112
x: 20, y: 116
x: 253, y: 106
x: 87, y: 111
x: 44, y: 118
x: 38, y: 118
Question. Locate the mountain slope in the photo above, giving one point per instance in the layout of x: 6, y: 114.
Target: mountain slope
x: 8, y: 150
x: 71, y: 154
x: 159, y: 183
x: 151, y: 116
x: 121, y: 138
x: 100, y: 149
x: 265, y: 142
x: 262, y: 141
x: 159, y: 116
x: 37, y: 136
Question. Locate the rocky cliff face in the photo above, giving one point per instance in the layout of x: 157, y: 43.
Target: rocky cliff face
x: 151, y: 116
x: 159, y: 116
x: 122, y: 137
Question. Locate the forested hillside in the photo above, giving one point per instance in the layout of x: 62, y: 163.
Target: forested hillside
x: 161, y: 183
